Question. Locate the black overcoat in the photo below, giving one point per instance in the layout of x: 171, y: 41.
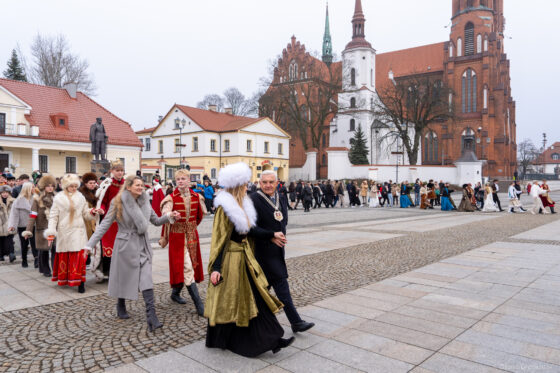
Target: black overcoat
x: 270, y: 257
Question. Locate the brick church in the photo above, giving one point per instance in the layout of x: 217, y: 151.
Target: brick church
x: 472, y: 63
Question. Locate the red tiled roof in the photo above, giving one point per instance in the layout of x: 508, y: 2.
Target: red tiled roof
x: 81, y: 112
x: 146, y: 130
x: 546, y: 156
x: 216, y: 121
x: 409, y: 61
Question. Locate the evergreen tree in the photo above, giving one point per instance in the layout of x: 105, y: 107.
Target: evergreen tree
x: 15, y: 70
x: 358, y: 149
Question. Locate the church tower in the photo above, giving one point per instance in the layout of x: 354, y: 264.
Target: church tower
x: 478, y: 72
x: 327, y: 44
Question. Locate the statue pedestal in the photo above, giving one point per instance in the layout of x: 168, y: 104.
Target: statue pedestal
x: 101, y: 167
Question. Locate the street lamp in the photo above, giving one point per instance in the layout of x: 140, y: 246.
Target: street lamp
x: 180, y: 125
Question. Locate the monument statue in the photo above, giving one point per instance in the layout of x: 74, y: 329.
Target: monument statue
x: 98, y: 140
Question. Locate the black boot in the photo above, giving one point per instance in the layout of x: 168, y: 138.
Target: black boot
x: 121, y: 309
x: 302, y: 326
x: 151, y: 317
x: 12, y: 257
x: 283, y: 343
x: 44, y: 267
x: 36, y: 262
x: 193, y: 292
x: 24, y: 257
x: 176, y: 295
x: 82, y: 288
x: 552, y: 209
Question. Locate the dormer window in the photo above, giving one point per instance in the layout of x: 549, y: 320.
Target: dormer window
x: 61, y: 122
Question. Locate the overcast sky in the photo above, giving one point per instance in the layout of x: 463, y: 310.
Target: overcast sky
x: 147, y: 55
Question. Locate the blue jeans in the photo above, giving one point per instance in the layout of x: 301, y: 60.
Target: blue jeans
x: 417, y: 198
x: 390, y: 199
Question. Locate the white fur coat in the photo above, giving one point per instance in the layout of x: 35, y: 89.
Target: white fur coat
x: 235, y: 213
x: 71, y: 236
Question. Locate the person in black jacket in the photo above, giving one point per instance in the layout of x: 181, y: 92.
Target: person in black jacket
x: 299, y: 190
x: 317, y: 196
x: 272, y: 216
x: 307, y: 197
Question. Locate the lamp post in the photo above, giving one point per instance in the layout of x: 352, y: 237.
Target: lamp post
x: 180, y: 125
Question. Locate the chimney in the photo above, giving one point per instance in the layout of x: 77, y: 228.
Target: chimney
x: 228, y: 110
x: 71, y: 88
x: 159, y: 118
x: 213, y: 107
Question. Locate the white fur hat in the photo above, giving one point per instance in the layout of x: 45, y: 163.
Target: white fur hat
x: 234, y: 175
x: 69, y: 179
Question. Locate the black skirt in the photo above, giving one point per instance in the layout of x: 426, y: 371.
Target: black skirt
x: 262, y: 334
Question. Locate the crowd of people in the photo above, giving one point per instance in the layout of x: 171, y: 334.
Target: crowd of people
x: 75, y: 221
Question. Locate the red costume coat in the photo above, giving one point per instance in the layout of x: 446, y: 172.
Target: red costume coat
x: 157, y: 198
x: 108, y: 239
x: 184, y: 228
x: 545, y: 198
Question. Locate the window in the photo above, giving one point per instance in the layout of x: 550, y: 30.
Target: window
x: 485, y: 98
x: 352, y: 125
x: 353, y: 102
x: 293, y: 70
x: 213, y: 145
x: 61, y: 122
x: 324, y: 140
x: 280, y: 149
x: 324, y: 159
x: 70, y: 165
x: 431, y: 154
x: 469, y: 92
x: 177, y: 145
x: 459, y: 47
x: 213, y: 173
x: 266, y: 148
x: 450, y: 49
x: 170, y: 173
x: 353, y: 76
x: 486, y: 43
x: 479, y: 43
x: 226, y: 145
x: 469, y: 39
x: 160, y: 146
x: 148, y: 145
x: 195, y: 144
x: 555, y: 157
x: 123, y: 162
x: 249, y: 146
x: 43, y: 163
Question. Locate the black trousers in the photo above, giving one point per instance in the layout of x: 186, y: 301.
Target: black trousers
x: 317, y: 201
x: 6, y: 245
x: 282, y: 290
x: 208, y: 203
x: 25, y: 243
x: 44, y: 263
x: 496, y: 200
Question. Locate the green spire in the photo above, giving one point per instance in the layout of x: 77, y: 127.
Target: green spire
x: 327, y: 44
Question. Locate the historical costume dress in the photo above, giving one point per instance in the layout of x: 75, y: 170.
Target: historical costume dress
x: 185, y: 260
x: 489, y: 205
x: 424, y: 197
x: 405, y: 199
x: 157, y: 197
x: 445, y: 196
x: 545, y: 198
x: 131, y: 267
x: 66, y: 223
x: 466, y: 202
x: 374, y: 196
x: 239, y: 308
x: 39, y: 220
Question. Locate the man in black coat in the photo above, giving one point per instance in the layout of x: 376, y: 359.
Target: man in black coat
x: 272, y: 211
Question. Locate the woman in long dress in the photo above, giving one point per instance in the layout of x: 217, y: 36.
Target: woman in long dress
x: 374, y: 195
x: 239, y: 308
x: 489, y: 205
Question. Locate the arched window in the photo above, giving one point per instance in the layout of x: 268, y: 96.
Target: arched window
x: 555, y: 157
x: 479, y: 43
x: 467, y: 140
x: 450, y: 49
x: 293, y: 71
x: 469, y: 39
x: 304, y: 112
x: 486, y: 43
x: 353, y: 102
x: 352, y: 125
x: 324, y: 140
x: 431, y: 154
x: 468, y: 91
x: 485, y: 98
x: 353, y: 76
x: 459, y: 47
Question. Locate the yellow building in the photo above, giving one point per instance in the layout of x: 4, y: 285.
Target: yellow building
x: 47, y: 129
x: 207, y: 140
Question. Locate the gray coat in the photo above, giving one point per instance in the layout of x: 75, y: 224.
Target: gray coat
x: 131, y: 263
x: 19, y: 215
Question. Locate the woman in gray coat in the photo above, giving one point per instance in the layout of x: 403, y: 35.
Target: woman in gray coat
x: 131, y: 264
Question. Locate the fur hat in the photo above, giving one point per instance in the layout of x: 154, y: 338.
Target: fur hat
x: 117, y: 164
x: 69, y: 179
x: 5, y: 188
x: 45, y: 180
x: 88, y: 176
x: 234, y: 175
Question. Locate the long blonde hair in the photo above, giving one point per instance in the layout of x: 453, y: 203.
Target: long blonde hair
x: 128, y: 182
x: 26, y: 191
x: 239, y: 192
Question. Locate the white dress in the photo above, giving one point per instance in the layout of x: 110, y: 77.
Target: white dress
x: 489, y: 205
x: 373, y: 199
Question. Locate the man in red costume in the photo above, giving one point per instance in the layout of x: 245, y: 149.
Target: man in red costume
x: 545, y: 197
x: 108, y: 190
x: 157, y: 196
x: 185, y: 261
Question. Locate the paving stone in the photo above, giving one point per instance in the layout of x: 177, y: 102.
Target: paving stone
x: 507, y: 309
x: 397, y: 299
x: 127, y: 368
x: 358, y: 358
x: 171, y: 362
x: 413, y: 337
x: 402, y: 291
x: 349, y: 308
x: 272, y: 369
x: 441, y: 363
x: 306, y: 362
x: 436, y: 316
x: 271, y: 358
x: 220, y: 360
x: 524, y: 323
x: 442, y: 330
x: 519, y: 334
x: 328, y: 315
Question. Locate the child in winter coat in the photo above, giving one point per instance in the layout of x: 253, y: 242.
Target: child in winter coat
x: 6, y: 237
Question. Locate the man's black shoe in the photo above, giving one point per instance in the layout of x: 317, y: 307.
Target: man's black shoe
x: 302, y: 326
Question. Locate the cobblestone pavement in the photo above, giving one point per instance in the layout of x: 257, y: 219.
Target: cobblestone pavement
x: 84, y: 335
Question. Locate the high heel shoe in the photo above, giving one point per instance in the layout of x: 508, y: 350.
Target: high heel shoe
x: 121, y: 309
x: 283, y: 343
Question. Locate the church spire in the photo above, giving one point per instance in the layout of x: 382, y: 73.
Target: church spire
x: 327, y: 44
x: 358, y: 28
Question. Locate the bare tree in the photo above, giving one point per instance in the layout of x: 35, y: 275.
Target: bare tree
x: 212, y: 99
x: 53, y: 64
x: 527, y: 153
x: 234, y: 99
x: 408, y: 107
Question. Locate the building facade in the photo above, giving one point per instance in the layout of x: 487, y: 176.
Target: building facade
x: 47, y: 129
x: 207, y: 140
